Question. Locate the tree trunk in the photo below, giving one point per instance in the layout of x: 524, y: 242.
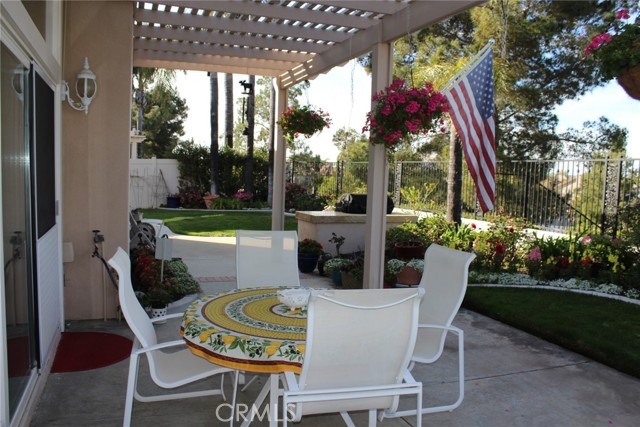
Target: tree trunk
x: 454, y: 181
x: 228, y: 114
x: 248, y: 167
x: 272, y: 142
x: 215, y: 184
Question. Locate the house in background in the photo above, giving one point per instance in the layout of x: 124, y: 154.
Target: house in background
x: 65, y: 173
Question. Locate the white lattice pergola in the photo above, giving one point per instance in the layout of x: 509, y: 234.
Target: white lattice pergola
x: 291, y: 41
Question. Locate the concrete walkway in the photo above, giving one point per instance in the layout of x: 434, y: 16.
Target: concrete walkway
x: 512, y: 378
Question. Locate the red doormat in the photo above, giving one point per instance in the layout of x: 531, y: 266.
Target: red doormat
x: 82, y: 351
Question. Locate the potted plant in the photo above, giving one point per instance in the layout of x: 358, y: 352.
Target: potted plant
x: 407, y: 272
x: 158, y: 299
x: 353, y: 274
x: 334, y: 268
x: 618, y: 52
x: 173, y: 201
x: 209, y: 199
x: 302, y: 120
x: 401, y: 111
x: 309, y: 250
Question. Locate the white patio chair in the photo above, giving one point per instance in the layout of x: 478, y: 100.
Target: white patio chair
x: 444, y: 280
x: 267, y: 258
x: 359, y: 345
x: 168, y: 369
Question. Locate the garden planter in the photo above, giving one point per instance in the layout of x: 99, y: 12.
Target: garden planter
x: 173, y: 202
x: 349, y: 281
x: 408, y: 276
x: 336, y: 277
x: 409, y: 250
x: 307, y: 262
x: 158, y: 312
x: 208, y: 200
x: 629, y: 79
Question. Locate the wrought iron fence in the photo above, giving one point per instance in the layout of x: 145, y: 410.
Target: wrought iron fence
x: 556, y: 195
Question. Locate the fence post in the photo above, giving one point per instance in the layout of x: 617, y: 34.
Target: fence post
x: 611, y: 195
x: 339, y: 172
x: 397, y: 183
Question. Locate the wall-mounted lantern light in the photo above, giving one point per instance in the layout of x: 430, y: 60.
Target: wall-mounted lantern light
x: 86, y: 88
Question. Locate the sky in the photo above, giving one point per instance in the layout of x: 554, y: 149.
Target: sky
x: 345, y: 93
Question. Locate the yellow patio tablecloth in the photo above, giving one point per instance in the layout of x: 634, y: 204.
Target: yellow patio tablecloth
x: 246, y: 329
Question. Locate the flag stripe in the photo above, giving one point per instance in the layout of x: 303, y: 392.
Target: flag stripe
x: 471, y: 109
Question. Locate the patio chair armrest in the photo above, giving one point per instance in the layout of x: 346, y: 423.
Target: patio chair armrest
x: 168, y: 316
x: 159, y: 346
x: 449, y: 328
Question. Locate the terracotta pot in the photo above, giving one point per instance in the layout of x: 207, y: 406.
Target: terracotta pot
x: 408, y: 276
x: 409, y: 250
x: 629, y: 79
x: 208, y: 200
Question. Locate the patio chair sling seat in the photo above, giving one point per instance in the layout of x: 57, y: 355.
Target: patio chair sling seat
x: 168, y: 369
x: 359, y: 345
x: 267, y: 258
x: 444, y: 281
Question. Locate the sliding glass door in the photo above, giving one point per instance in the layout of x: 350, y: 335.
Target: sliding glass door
x: 16, y: 222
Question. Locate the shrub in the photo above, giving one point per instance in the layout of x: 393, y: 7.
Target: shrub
x: 146, y: 273
x: 297, y: 198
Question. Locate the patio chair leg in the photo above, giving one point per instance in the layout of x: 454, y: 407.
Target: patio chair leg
x: 131, y: 389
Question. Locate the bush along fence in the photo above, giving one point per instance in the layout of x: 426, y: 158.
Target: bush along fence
x: 592, y: 262
x: 583, y: 196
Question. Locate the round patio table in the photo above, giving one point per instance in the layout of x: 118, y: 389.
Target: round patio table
x: 246, y: 329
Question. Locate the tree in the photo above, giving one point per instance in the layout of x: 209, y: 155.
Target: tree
x: 595, y: 139
x: 228, y: 112
x: 353, y: 146
x: 141, y: 79
x: 248, y: 166
x: 214, y: 152
x: 539, y: 62
x: 164, y: 115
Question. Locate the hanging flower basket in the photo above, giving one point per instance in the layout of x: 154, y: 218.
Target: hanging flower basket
x: 629, y: 79
x: 401, y: 111
x: 303, y: 121
x: 618, y: 52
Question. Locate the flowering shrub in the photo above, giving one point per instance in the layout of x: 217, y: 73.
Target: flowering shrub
x: 497, y: 248
x: 242, y: 195
x: 401, y: 111
x: 303, y: 120
x: 310, y: 246
x: 337, y: 264
x: 618, y: 48
x: 146, y: 272
x: 395, y: 266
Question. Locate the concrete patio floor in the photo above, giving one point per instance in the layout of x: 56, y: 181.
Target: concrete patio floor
x: 512, y: 378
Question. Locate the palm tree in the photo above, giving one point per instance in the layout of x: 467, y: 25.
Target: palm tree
x: 215, y: 184
x: 248, y: 167
x: 228, y: 115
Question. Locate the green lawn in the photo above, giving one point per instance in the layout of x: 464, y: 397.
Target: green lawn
x: 213, y: 223
x: 602, y: 329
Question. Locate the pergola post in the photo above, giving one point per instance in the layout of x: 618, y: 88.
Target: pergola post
x: 279, y: 162
x: 377, y: 181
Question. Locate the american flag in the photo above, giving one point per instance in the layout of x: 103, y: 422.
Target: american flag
x: 471, y: 109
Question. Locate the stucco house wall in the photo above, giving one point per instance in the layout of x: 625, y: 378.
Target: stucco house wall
x: 95, y: 152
